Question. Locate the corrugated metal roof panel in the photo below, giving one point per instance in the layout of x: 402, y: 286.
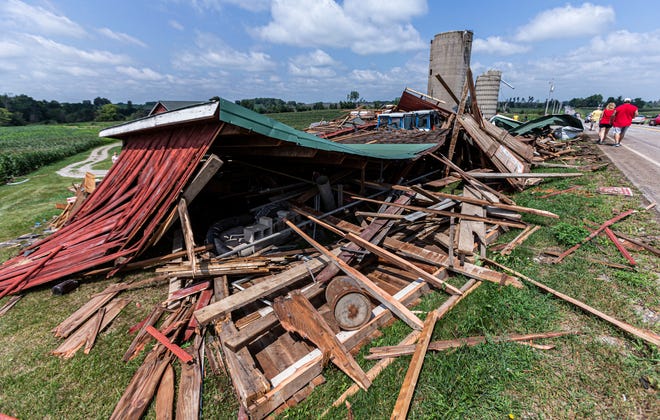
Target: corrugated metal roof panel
x: 239, y: 116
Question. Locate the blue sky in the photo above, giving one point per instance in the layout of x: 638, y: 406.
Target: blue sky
x: 319, y: 50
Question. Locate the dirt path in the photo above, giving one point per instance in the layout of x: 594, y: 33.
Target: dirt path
x: 78, y: 169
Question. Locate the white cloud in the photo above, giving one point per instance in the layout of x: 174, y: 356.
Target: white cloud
x: 121, y: 37
x: 213, y: 52
x: 318, y: 64
x: 140, y: 74
x: 625, y: 43
x: 217, y: 5
x: 17, y: 14
x: 56, y: 50
x: 384, y: 11
x: 567, y: 22
x: 496, y: 45
x: 176, y: 25
x: 361, y: 26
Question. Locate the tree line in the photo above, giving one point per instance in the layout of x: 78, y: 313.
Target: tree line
x: 23, y: 109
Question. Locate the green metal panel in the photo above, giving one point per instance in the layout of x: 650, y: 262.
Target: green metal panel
x: 232, y: 113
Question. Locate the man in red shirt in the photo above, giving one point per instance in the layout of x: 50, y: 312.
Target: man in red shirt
x: 623, y: 115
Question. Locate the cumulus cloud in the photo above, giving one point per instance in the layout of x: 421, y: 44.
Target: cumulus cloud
x: 17, y: 14
x: 212, y: 51
x: 366, y: 27
x: 176, y: 25
x: 217, y: 5
x: 315, y: 64
x: 140, y: 74
x: 121, y: 37
x: 567, y: 22
x: 57, y: 50
x: 624, y: 42
x: 496, y: 45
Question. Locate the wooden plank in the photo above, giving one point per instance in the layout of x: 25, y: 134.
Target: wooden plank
x: 248, y: 381
x: 593, y: 235
x: 506, y: 175
x: 467, y: 229
x: 10, y: 304
x: 400, y: 262
x: 646, y: 335
x: 178, y: 351
x: 266, y: 287
x: 526, y: 233
x: 481, y: 202
x: 165, y: 395
x: 190, y: 386
x: 303, y: 371
x: 447, y: 88
x: 377, y: 225
x: 79, y: 338
x: 140, y: 391
x: 455, y: 126
x: 470, y: 179
x: 372, y: 373
x: 635, y: 241
x: 296, y: 314
x: 188, y: 236
x: 376, y: 292
x: 189, y: 291
x: 469, y: 270
x: 94, y: 331
x: 264, y: 323
x: 448, y: 213
x: 620, y: 247
x: 412, y: 374
x: 141, y: 337
x: 404, y: 350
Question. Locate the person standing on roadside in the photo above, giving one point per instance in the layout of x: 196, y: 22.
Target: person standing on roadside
x: 605, y: 122
x: 595, y: 117
x: 623, y: 115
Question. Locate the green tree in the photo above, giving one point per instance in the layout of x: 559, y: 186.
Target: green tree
x: 5, y: 117
x: 108, y: 112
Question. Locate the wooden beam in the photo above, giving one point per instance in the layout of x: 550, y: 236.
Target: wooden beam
x: 188, y: 236
x: 296, y: 314
x: 400, y: 262
x: 405, y: 350
x: 469, y: 178
x: 410, y: 381
x: 479, y: 201
x: 436, y: 258
x: 266, y: 287
x: 646, y: 335
x: 593, y: 235
x: 504, y: 175
x: 165, y: 395
x: 526, y: 233
x: 411, y: 338
x: 448, y: 213
x: 376, y: 292
x: 176, y: 350
x: 447, y: 88
x: 620, y: 247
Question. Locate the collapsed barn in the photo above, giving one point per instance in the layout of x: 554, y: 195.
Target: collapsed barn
x: 283, y: 249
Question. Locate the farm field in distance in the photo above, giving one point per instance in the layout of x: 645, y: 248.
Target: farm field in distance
x: 27, y: 148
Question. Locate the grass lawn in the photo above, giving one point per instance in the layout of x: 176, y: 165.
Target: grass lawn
x: 602, y: 372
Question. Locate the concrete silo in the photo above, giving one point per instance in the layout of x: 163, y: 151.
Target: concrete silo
x: 450, y: 58
x: 488, y: 90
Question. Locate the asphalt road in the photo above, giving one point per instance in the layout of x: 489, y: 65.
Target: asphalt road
x: 639, y: 159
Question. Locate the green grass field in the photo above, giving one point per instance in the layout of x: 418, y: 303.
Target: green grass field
x: 601, y: 373
x: 27, y: 148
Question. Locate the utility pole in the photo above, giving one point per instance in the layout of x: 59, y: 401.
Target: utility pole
x: 547, y: 102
